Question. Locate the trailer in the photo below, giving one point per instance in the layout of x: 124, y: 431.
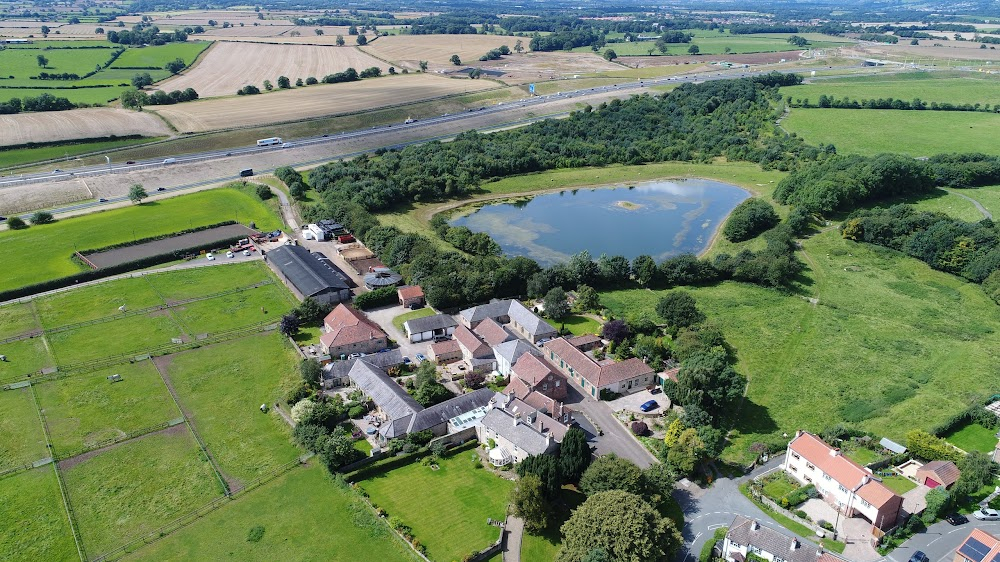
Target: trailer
x: 345, y: 238
x: 272, y: 141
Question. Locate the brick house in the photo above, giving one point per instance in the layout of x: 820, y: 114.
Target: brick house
x: 622, y: 377
x: 410, y: 295
x: 350, y: 331
x: 979, y: 546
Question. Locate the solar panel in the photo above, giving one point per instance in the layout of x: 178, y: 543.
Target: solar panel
x: 996, y: 557
x: 974, y: 550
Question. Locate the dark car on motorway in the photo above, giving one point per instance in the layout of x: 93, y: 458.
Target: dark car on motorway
x: 957, y: 519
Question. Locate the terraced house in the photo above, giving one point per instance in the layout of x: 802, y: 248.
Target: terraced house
x: 593, y: 376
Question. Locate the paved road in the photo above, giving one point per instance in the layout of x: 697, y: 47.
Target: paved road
x: 940, y: 540
x: 616, y: 439
x: 977, y: 204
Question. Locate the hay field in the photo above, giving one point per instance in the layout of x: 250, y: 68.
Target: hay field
x: 313, y: 101
x: 224, y: 68
x: 280, y: 34
x: 78, y: 123
x: 437, y: 49
x: 959, y: 50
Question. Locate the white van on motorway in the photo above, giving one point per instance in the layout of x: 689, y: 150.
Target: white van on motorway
x: 170, y: 161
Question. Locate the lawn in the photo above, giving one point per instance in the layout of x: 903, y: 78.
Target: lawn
x: 21, y: 156
x: 159, y: 56
x: 33, y: 522
x: 16, y: 319
x: 201, y: 281
x: 21, y: 437
x: 305, y: 514
x: 23, y: 357
x: 221, y: 388
x: 917, y: 133
x: 779, y: 486
x: 973, y: 437
x: 95, y: 301
x: 245, y: 308
x: 579, y: 325
x: 419, y: 313
x: 897, y: 359
x: 859, y: 454
x: 928, y: 86
x: 43, y: 252
x: 899, y: 484
x: 137, y: 487
x: 84, y: 410
x: 131, y: 335
x: 446, y: 508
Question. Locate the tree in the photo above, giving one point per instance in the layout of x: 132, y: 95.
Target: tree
x: 99, y: 31
x: 518, y: 46
x: 610, y: 472
x: 925, y: 446
x: 41, y: 217
x: 674, y: 431
x: 615, y: 330
x: 338, y: 450
x: 141, y: 79
x: 43, y: 62
x: 284, y: 83
x: 319, y: 31
x: 679, y: 309
x: 137, y: 193
x: 423, y: 66
x: 529, y: 503
x: 175, y: 66
x: 133, y: 98
x: 574, y: 455
x: 268, y: 85
x: 686, y: 452
x: 707, y: 379
x: 977, y: 471
x: 392, y: 70
x: 694, y: 50
x: 749, y: 219
x: 546, y: 468
x: 16, y: 223
x: 311, y: 372
x: 623, y: 526
x: 352, y: 30
x: 455, y: 60
x: 587, y: 298
x: 340, y: 40
x: 299, y: 83
x: 45, y: 31
x: 644, y: 269
x: 311, y: 311
x: 474, y: 380
x: 938, y: 501
x: 556, y: 303
x: 362, y: 40
x: 475, y: 73
x: 290, y: 322
x: 610, y: 55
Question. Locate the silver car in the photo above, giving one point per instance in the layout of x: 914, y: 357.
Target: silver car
x: 985, y: 514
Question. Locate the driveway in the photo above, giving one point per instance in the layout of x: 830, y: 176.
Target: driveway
x: 383, y: 317
x: 616, y: 439
x: 631, y: 403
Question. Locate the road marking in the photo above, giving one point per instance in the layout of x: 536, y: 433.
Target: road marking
x: 714, y: 527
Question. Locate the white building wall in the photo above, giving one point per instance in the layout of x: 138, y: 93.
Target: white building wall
x: 806, y: 473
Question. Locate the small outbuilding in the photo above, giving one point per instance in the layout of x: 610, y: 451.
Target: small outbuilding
x: 938, y: 473
x: 410, y: 295
x: 892, y: 446
x: 381, y: 277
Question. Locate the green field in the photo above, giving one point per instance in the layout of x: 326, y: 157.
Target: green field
x: 413, y: 314
x: 252, y: 306
x: 928, y: 86
x: 221, y: 388
x: 23, y: 63
x: 973, y: 437
x: 83, y: 410
x: 137, y: 487
x: 159, y: 56
x: 305, y: 515
x: 23, y: 357
x: 32, y: 501
x: 988, y: 197
x: 192, y: 283
x: 131, y: 335
x: 22, y: 439
x: 41, y: 253
x: 21, y: 156
x: 96, y: 301
x: 446, y: 508
x: 578, y: 325
x: 16, y: 319
x: 917, y: 133
x: 947, y: 202
x: 896, y: 360
x: 714, y: 43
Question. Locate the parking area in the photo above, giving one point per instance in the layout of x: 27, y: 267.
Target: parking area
x: 383, y: 317
x: 632, y: 402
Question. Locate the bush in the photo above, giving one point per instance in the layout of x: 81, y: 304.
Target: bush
x: 378, y: 297
x: 16, y: 223
x: 255, y: 534
x: 298, y: 394
x: 639, y: 428
x: 356, y: 412
x: 264, y: 192
x: 749, y: 219
x: 801, y: 514
x: 42, y: 217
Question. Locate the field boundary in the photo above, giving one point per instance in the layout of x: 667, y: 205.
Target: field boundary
x: 105, y: 443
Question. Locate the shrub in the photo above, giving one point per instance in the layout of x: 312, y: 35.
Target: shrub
x: 801, y: 514
x: 639, y: 428
x: 378, y: 297
x: 749, y: 219
x: 42, y: 217
x: 302, y: 409
x: 356, y: 412
x: 16, y: 223
x: 255, y: 534
x: 264, y: 192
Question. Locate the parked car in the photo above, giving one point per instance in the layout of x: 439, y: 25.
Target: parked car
x: 986, y: 514
x: 355, y: 355
x: 957, y: 519
x: 649, y: 406
x: 919, y: 556
x: 420, y: 357
x: 210, y: 256
x: 229, y: 254
x: 406, y: 360
x: 416, y: 306
x: 246, y: 252
x: 439, y: 339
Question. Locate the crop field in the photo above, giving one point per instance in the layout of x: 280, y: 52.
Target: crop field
x: 43, y: 252
x: 917, y: 133
x: 21, y: 437
x: 21, y: 156
x: 138, y: 486
x: 460, y: 496
x: 83, y: 411
x: 49, y: 126
x: 244, y: 442
x: 223, y: 70
x: 42, y: 532
x: 314, y: 101
x: 927, y: 86
x: 323, y: 515
x: 408, y: 50
x: 896, y: 360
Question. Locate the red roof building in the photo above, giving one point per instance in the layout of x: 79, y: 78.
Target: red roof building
x: 350, y: 331
x: 622, y: 377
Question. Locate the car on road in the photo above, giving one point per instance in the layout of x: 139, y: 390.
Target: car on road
x: 986, y: 514
x: 649, y: 406
x: 169, y: 160
x: 56, y: 171
x: 326, y: 135
x: 420, y: 358
x: 210, y: 256
x: 287, y: 145
x: 957, y: 519
x: 131, y: 162
x: 919, y: 556
x: 3, y: 219
x: 229, y: 254
x: 161, y: 189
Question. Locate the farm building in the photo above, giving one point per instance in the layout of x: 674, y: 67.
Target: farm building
x: 410, y: 295
x: 381, y: 277
x: 938, y: 473
x: 349, y: 331
x: 518, y: 430
x: 429, y: 327
x: 623, y: 377
x: 445, y: 352
x: 309, y: 275
x: 517, y: 317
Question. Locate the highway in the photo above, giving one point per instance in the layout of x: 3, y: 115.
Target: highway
x: 291, y: 144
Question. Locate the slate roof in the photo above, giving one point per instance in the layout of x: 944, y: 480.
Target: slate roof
x: 512, y: 350
x: 532, y: 438
x: 943, y: 472
x: 304, y: 271
x: 453, y: 407
x: 513, y: 309
x: 472, y: 343
x: 384, y: 360
x: 479, y: 313
x: 429, y: 323
x: 492, y: 333
x: 398, y: 406
x: 747, y: 532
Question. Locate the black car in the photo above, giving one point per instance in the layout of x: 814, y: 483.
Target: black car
x: 957, y: 519
x: 161, y: 189
x: 919, y: 556
x: 3, y: 219
x: 102, y: 200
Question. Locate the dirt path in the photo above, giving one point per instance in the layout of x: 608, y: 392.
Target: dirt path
x: 978, y: 205
x: 69, y: 463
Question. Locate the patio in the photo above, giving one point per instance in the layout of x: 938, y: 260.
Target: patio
x: 818, y: 510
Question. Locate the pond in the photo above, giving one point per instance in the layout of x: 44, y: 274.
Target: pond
x: 661, y: 219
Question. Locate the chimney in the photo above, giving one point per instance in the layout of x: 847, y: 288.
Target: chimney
x: 795, y: 544
x: 834, y: 452
x: 531, y: 417
x: 865, y: 479
x: 754, y: 525
x: 517, y: 419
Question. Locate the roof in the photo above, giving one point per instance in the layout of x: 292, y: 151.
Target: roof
x: 384, y: 360
x: 382, y: 277
x: 533, y: 370
x: 750, y: 533
x: 584, y: 340
x: 492, y: 333
x: 451, y: 408
x: 471, y: 342
x: 494, y: 309
x: 536, y: 400
x: 598, y: 375
x: 445, y: 347
x: 304, y: 271
x: 980, y: 546
x: 429, y: 323
x: 512, y: 309
x: 532, y: 438
x: 398, y: 406
x: 944, y: 472
x: 512, y: 350
x: 846, y: 472
x: 890, y: 445
x: 410, y: 292
x: 877, y: 493
x: 346, y: 325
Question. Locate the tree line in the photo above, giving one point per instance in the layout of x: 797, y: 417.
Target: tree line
x: 916, y: 104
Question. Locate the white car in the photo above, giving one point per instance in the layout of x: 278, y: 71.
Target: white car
x: 229, y: 254
x: 246, y: 252
x: 210, y: 256
x: 287, y: 145
x: 986, y: 514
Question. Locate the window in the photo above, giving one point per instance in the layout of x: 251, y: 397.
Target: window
x: 795, y: 455
x: 545, y: 386
x: 843, y: 489
x: 866, y: 504
x: 793, y: 468
x: 808, y: 479
x: 557, y: 384
x: 827, y: 477
x: 810, y: 466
